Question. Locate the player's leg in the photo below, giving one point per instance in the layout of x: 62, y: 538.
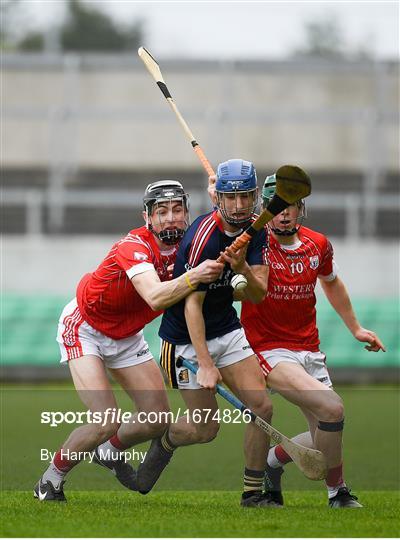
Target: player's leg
x: 286, y: 373
x: 296, y: 385
x: 85, y: 350
x: 190, y: 428
x: 131, y: 364
x: 144, y: 384
x: 277, y: 458
x: 338, y: 497
x: 246, y: 380
x: 197, y: 425
x: 91, y: 382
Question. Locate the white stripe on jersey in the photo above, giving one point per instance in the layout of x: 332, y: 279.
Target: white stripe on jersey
x: 199, y: 238
x: 140, y: 268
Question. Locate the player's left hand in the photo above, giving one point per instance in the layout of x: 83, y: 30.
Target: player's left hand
x: 367, y: 336
x: 236, y: 260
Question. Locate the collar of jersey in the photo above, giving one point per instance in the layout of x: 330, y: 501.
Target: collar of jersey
x: 293, y: 247
x: 149, y: 236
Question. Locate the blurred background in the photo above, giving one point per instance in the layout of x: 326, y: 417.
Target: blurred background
x: 85, y: 129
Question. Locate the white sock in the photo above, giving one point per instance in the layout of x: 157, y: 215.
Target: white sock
x: 272, y: 460
x: 54, y: 475
x: 332, y: 491
x: 109, y: 452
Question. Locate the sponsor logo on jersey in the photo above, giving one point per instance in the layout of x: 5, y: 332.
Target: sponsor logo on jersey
x: 295, y: 256
x: 138, y: 256
x: 314, y: 262
x: 224, y: 279
x: 183, y: 377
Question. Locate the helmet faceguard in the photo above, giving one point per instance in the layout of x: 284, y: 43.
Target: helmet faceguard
x: 268, y: 192
x: 237, y: 178
x: 164, y: 193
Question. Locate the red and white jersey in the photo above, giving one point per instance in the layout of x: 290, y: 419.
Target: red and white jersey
x: 107, y: 299
x: 287, y: 316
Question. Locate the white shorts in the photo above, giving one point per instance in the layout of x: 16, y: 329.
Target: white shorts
x: 312, y: 362
x: 76, y: 338
x: 225, y: 351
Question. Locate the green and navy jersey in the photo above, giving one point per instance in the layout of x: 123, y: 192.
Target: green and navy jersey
x: 205, y: 239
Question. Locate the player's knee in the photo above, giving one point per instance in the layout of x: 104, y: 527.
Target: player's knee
x: 261, y: 405
x: 103, y: 433
x: 266, y: 410
x: 156, y: 430
x: 156, y: 421
x: 206, y: 432
x: 332, y: 410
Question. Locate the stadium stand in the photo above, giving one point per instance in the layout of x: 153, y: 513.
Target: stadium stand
x: 29, y: 325
x: 87, y: 152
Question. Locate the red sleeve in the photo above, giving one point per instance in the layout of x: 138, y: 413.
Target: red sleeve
x: 326, y: 267
x: 134, y: 256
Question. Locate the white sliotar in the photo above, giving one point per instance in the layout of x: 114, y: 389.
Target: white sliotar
x: 238, y: 282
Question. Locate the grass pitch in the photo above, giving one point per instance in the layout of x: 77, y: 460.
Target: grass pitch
x: 198, y: 495
x: 195, y: 514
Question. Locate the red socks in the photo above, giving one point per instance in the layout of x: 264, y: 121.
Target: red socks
x: 281, y: 455
x: 62, y: 463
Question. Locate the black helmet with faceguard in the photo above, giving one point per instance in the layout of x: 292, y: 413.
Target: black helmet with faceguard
x: 166, y: 192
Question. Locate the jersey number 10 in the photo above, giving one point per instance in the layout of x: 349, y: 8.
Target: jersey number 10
x: 297, y: 267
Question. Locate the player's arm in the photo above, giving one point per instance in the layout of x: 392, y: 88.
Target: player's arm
x: 256, y: 275
x: 337, y: 294
x: 261, y: 273
x: 208, y: 375
x: 160, y: 295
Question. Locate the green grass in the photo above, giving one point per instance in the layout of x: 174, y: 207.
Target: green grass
x: 182, y: 503
x: 195, y: 514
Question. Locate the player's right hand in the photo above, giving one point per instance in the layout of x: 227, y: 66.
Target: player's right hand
x: 367, y: 336
x: 237, y: 260
x: 208, y: 377
x: 209, y: 271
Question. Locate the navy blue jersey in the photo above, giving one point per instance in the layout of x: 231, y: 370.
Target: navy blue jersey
x: 205, y: 239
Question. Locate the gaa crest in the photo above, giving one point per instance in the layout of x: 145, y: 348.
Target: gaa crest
x: 139, y: 256
x: 314, y: 262
x: 183, y: 376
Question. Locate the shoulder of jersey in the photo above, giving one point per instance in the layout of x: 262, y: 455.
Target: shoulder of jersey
x: 199, y: 219
x: 139, y: 236
x: 314, y: 235
x: 140, y: 231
